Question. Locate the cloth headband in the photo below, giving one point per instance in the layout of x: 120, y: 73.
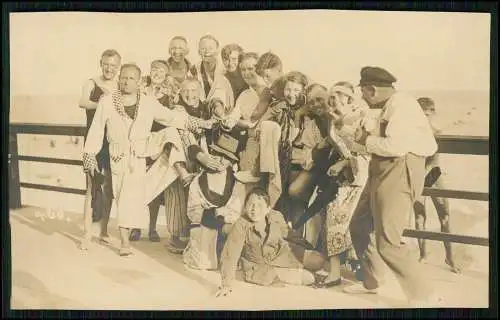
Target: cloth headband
x: 343, y: 90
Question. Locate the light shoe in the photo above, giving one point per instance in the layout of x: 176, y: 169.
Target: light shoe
x: 124, y: 252
x: 359, y: 288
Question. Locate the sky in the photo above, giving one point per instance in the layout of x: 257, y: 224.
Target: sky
x: 53, y: 53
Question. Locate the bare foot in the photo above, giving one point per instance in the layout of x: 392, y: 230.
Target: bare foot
x: 423, y: 260
x: 84, y: 244
x: 454, y: 268
x: 105, y: 239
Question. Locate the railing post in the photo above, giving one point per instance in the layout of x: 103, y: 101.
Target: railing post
x: 14, y: 183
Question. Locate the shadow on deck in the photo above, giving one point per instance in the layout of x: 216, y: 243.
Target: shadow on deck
x: 50, y: 272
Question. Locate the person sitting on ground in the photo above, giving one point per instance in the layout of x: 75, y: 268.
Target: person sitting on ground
x: 434, y: 179
x: 259, y: 239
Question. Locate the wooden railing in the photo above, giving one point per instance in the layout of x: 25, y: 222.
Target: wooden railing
x: 447, y: 144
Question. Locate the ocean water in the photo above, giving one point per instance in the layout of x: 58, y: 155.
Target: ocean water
x: 458, y: 113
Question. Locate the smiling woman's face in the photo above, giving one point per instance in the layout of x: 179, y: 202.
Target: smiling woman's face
x: 247, y: 68
x: 292, y: 91
x: 158, y: 74
x: 178, y: 49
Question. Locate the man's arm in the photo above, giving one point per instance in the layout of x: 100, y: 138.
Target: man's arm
x: 261, y: 108
x: 178, y: 119
x: 398, y: 133
x: 232, y: 253
x: 85, y: 102
x: 95, y: 136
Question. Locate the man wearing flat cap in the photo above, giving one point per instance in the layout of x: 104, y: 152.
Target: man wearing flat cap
x: 399, y: 143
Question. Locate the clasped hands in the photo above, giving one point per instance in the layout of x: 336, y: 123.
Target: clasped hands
x: 210, y: 162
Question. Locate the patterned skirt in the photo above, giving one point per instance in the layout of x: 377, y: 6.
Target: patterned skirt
x: 176, y: 209
x: 339, y: 212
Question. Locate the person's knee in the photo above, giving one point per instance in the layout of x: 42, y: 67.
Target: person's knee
x: 313, y: 260
x: 294, y: 191
x: 297, y: 190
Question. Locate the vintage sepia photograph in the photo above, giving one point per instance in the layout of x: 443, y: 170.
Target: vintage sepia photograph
x: 249, y: 160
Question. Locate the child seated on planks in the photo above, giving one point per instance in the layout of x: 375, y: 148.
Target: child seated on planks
x: 259, y: 238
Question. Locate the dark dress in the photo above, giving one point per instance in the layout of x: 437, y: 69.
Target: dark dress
x: 237, y: 83
x: 99, y: 193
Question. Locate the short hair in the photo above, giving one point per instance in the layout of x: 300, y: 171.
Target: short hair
x: 211, y: 37
x: 161, y: 62
x: 425, y: 102
x: 260, y: 193
x: 111, y: 53
x: 131, y: 66
x: 297, y: 77
x: 248, y: 55
x: 177, y: 38
x: 268, y: 61
x: 228, y: 49
x: 313, y: 86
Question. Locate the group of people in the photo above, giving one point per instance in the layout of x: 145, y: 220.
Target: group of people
x: 260, y: 170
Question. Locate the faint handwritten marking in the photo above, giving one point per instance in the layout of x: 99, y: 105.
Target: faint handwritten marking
x: 52, y: 213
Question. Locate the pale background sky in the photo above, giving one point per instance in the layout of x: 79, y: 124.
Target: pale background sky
x: 54, y: 53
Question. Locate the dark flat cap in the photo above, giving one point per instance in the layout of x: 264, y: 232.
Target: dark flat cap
x: 376, y: 76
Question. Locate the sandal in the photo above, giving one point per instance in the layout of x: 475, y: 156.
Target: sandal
x: 174, y: 247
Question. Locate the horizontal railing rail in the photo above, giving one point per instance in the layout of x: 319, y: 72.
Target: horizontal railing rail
x: 451, y: 144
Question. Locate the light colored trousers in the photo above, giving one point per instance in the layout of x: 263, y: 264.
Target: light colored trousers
x: 377, y: 225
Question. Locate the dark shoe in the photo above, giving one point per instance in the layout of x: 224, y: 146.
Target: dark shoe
x: 329, y: 284
x: 176, y: 246
x: 153, y: 236
x: 135, y: 235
